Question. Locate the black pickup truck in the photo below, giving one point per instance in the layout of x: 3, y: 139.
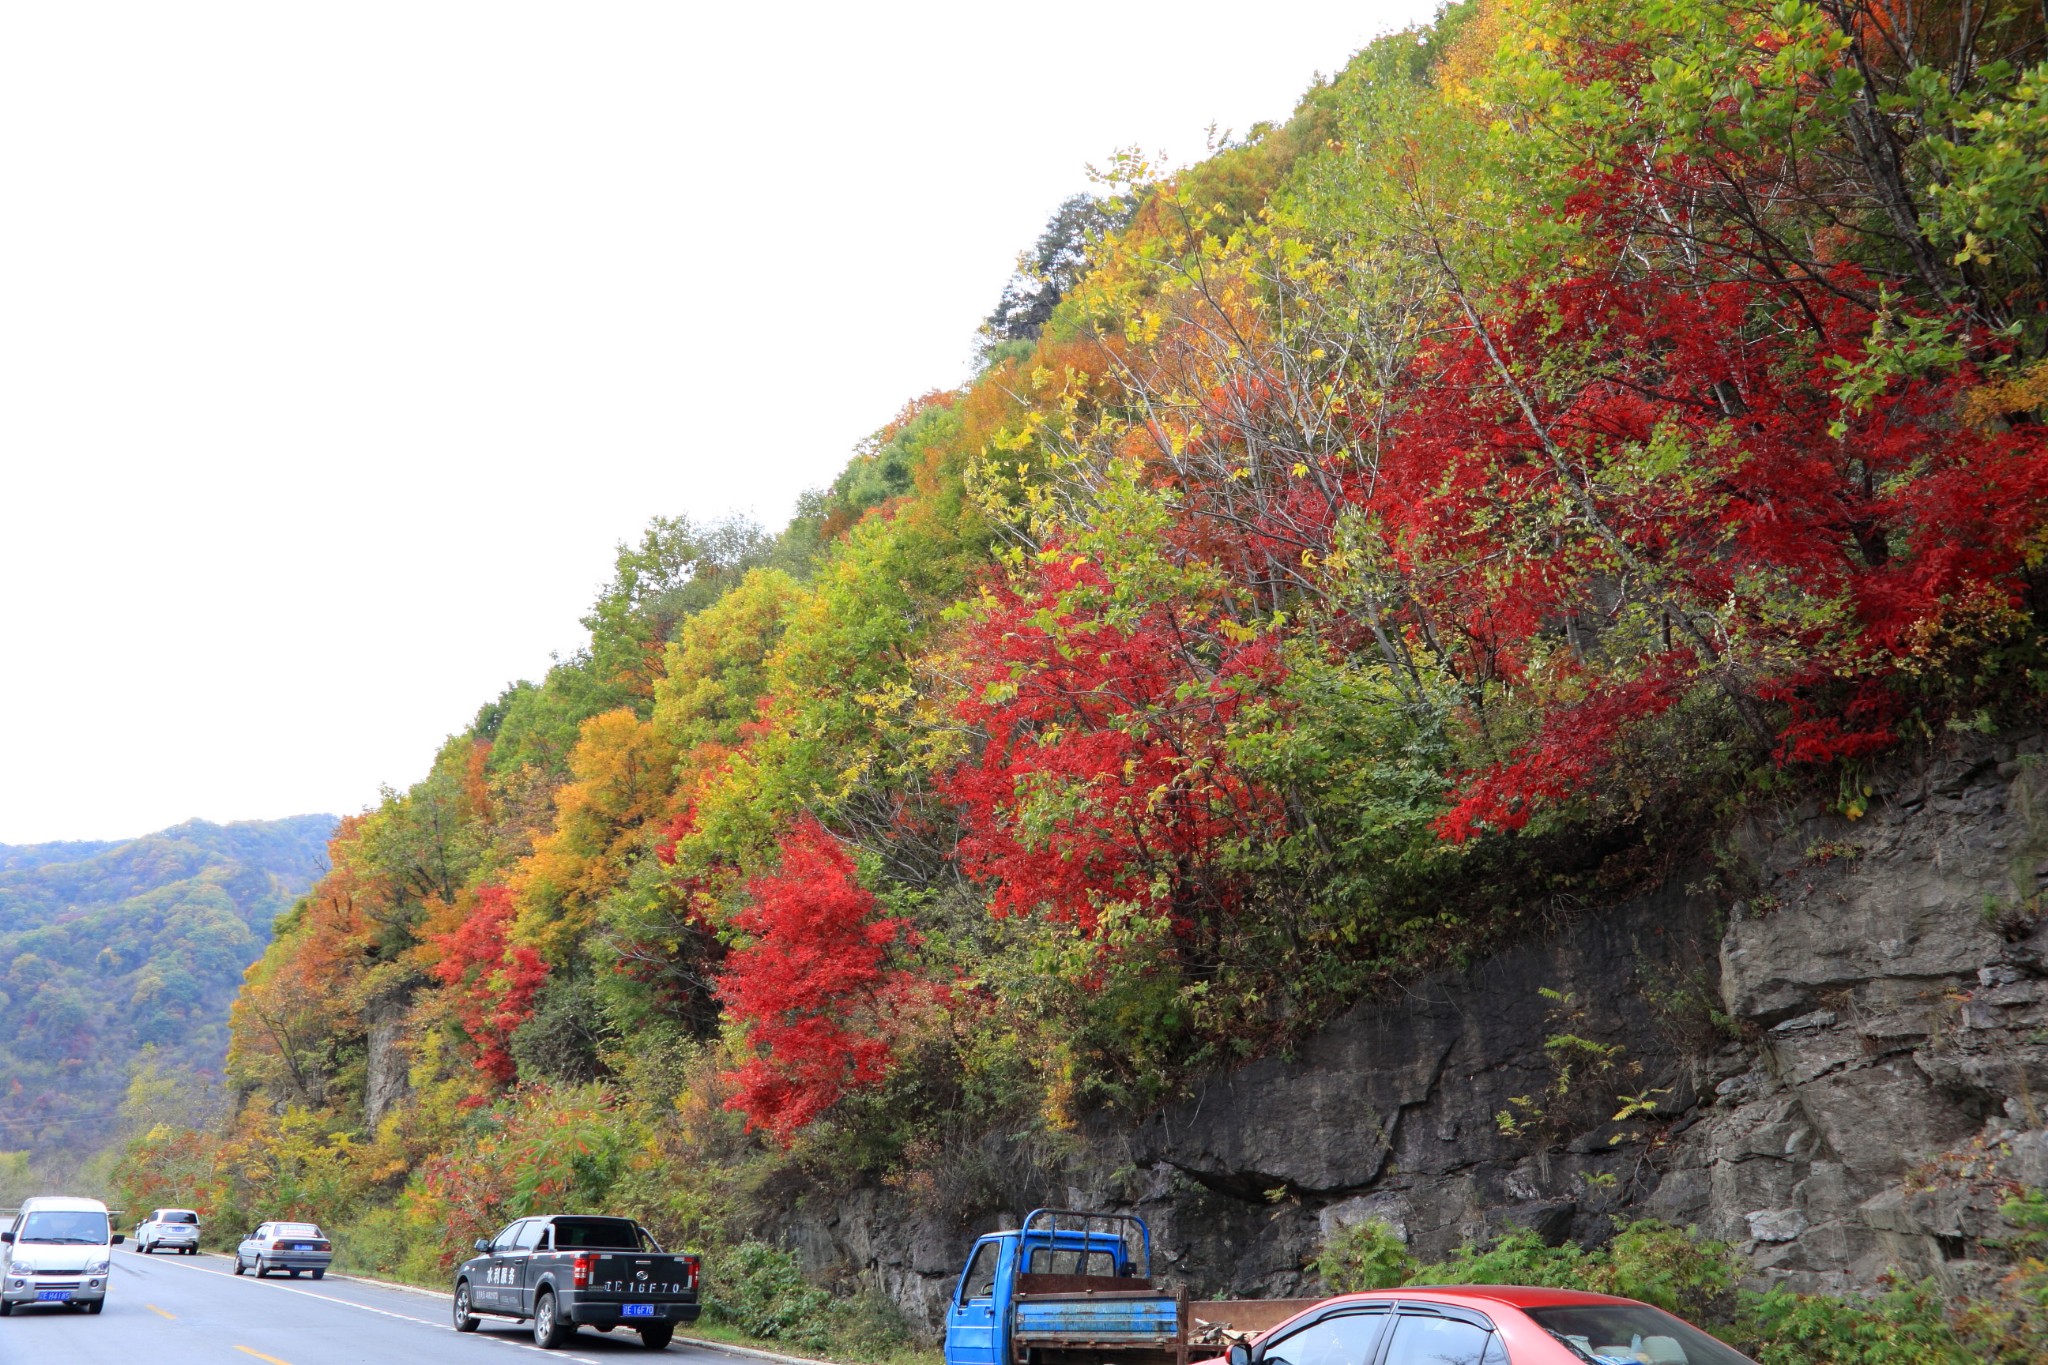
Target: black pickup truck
x: 564, y: 1271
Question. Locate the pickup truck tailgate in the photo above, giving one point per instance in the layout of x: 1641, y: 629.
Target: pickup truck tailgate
x: 1075, y: 1319
x: 640, y: 1276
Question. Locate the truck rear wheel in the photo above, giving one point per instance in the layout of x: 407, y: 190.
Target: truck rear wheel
x: 547, y: 1328
x: 656, y: 1336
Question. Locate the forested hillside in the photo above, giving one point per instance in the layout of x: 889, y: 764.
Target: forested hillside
x: 1580, y: 421
x: 119, y: 950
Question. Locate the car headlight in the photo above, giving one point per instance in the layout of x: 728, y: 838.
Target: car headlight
x: 98, y: 1267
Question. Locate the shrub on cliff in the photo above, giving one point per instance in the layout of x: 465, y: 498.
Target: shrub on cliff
x: 756, y: 1289
x: 1366, y: 1255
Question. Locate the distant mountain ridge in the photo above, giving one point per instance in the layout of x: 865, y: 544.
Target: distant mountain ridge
x: 108, y: 948
x: 21, y: 857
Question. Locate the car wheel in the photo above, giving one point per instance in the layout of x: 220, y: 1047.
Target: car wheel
x: 465, y: 1321
x: 295, y: 1274
x: 238, y: 1263
x: 5, y: 1308
x: 547, y: 1328
x: 656, y: 1336
x: 261, y: 1270
x: 96, y: 1305
x: 320, y: 1274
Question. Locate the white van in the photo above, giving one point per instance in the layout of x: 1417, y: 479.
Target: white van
x: 58, y: 1251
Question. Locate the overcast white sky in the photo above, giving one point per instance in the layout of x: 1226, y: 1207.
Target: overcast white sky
x: 340, y: 344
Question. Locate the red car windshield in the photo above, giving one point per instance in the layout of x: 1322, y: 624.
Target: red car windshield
x: 1632, y: 1334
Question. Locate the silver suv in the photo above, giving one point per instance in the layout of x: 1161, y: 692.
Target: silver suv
x: 168, y: 1229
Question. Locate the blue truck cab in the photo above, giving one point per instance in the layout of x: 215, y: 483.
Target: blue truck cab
x: 1065, y: 1288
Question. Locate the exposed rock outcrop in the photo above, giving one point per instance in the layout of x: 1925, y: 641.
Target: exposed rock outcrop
x: 1836, y: 1045
x: 387, y: 1077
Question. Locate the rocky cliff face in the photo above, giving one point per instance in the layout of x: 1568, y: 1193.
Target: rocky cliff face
x: 1834, y: 1048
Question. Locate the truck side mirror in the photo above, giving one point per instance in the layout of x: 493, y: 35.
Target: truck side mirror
x: 1238, y: 1354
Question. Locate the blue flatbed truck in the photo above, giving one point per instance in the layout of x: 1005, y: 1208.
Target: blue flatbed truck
x: 1072, y: 1288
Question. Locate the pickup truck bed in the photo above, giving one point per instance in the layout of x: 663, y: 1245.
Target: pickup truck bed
x: 1061, y: 1314
x: 1120, y: 1313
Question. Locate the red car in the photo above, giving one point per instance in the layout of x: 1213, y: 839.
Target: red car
x: 1483, y: 1324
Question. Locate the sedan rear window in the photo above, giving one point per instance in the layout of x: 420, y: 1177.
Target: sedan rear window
x: 1610, y: 1334
x: 294, y: 1230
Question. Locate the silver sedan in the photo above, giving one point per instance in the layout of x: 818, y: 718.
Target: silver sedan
x: 290, y: 1247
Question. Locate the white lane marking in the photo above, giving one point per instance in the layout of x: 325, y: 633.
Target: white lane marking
x: 402, y: 1317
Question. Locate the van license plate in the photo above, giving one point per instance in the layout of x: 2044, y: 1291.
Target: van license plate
x: 52, y: 1295
x: 639, y: 1310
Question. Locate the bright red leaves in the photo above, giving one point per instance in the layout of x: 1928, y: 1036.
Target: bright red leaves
x: 1694, y: 504
x: 491, y: 983
x: 1105, y: 776
x: 813, y: 986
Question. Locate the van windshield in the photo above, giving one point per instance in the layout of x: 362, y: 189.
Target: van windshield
x: 63, y: 1225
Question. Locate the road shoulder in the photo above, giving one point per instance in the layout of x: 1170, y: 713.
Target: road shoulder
x: 701, y: 1343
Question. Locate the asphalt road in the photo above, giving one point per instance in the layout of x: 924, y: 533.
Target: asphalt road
x: 190, y: 1310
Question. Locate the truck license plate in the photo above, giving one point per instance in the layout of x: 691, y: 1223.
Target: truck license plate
x: 52, y: 1295
x: 639, y: 1310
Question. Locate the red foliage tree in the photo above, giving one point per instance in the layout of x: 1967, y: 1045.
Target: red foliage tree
x: 491, y: 982
x: 1105, y: 775
x: 1801, y: 547
x: 812, y: 986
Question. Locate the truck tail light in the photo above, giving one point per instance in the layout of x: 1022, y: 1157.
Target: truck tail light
x: 689, y: 1272
x: 579, y: 1272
